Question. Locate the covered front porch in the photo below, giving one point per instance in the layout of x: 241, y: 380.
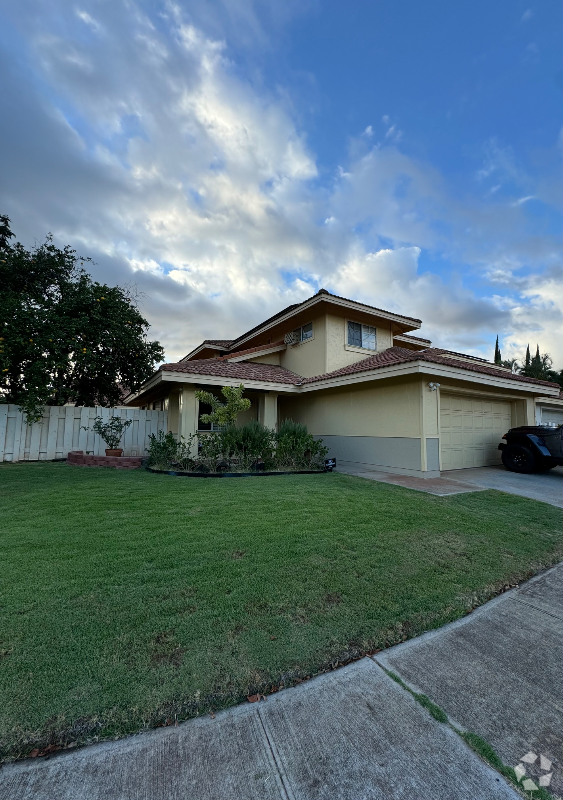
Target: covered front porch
x: 185, y: 410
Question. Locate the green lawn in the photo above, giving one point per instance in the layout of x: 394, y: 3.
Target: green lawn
x: 127, y: 598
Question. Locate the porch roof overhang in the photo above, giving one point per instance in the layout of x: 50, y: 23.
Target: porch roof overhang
x: 162, y: 380
x: 439, y: 372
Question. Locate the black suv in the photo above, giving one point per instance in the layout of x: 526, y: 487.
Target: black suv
x: 532, y: 448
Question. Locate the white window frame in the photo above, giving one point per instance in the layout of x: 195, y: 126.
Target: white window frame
x: 354, y: 348
x: 299, y: 332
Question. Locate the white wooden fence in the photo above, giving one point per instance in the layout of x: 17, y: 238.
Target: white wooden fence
x: 61, y: 430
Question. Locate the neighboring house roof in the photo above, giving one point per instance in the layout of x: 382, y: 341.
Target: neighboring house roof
x: 245, y: 370
x: 400, y: 355
x: 463, y: 355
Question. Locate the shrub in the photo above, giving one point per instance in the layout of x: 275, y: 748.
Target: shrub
x: 296, y: 448
x: 238, y: 449
x: 165, y: 453
x: 248, y: 445
x: 111, y: 432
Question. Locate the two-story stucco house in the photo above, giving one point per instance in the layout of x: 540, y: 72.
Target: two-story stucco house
x: 381, y: 398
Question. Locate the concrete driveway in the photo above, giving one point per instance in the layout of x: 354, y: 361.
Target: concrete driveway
x: 544, y: 486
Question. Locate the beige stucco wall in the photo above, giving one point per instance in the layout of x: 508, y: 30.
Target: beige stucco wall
x: 384, y: 408
x: 337, y: 354
x: 308, y: 358
x: 270, y: 358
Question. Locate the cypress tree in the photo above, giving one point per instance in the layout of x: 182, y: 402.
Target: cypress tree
x: 528, y: 359
x: 498, y: 357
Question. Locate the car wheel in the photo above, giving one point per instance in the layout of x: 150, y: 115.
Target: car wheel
x: 517, y: 458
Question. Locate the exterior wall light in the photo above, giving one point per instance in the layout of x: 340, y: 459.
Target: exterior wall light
x: 433, y: 386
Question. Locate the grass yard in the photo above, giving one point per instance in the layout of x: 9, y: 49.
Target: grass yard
x: 127, y: 598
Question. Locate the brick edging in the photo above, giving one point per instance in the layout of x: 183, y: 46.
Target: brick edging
x: 78, y: 459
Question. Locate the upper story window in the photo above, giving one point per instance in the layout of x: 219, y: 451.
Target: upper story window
x: 304, y: 333
x: 361, y: 336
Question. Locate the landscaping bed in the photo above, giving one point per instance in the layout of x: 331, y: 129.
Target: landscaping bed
x: 128, y: 601
x: 254, y: 474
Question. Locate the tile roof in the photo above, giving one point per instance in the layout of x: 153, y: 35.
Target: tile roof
x: 400, y: 355
x: 371, y: 308
x: 218, y: 342
x: 295, y: 306
x: 270, y: 373
x: 243, y: 370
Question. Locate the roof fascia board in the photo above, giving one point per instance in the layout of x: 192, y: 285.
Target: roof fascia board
x: 411, y: 339
x: 153, y: 381
x: 482, y: 377
x: 216, y: 380
x: 327, y: 298
x: 427, y: 368
x: 447, y: 389
x: 552, y: 401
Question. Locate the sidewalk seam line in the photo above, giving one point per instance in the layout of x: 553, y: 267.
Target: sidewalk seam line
x: 286, y: 790
x: 537, y: 608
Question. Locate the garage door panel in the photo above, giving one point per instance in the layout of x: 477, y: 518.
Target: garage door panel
x: 552, y: 415
x: 471, y: 430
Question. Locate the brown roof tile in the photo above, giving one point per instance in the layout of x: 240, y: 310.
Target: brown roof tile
x: 270, y: 373
x: 242, y: 370
x: 400, y: 355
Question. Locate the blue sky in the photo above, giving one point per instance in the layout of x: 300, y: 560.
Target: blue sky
x: 232, y: 157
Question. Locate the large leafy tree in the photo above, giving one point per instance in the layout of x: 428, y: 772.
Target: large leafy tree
x: 64, y: 337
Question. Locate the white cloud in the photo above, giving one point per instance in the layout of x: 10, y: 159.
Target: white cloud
x: 527, y: 15
x: 523, y: 200
x: 177, y: 173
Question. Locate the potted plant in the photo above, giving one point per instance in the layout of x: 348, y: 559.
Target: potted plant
x: 111, y: 432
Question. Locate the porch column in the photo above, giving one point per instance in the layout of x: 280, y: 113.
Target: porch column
x: 174, y: 413
x: 189, y: 412
x: 268, y: 410
x: 430, y: 459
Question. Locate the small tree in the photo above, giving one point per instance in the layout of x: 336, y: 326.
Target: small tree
x: 112, y: 431
x: 224, y: 414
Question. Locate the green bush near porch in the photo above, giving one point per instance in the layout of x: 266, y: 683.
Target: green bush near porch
x: 239, y: 448
x: 128, y: 599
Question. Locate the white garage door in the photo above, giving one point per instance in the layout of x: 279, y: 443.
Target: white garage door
x: 551, y: 416
x: 471, y: 430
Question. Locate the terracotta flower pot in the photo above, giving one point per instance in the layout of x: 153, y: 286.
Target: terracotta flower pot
x: 116, y: 453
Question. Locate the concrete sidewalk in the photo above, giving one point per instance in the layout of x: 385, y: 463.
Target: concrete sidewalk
x: 354, y: 734
x: 499, y: 672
